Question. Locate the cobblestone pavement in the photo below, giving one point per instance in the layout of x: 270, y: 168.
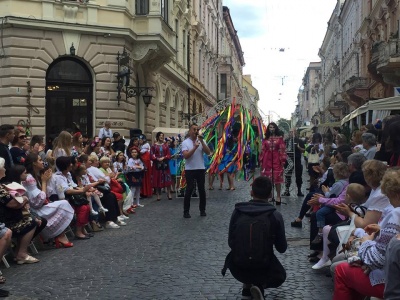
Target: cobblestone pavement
x: 161, y: 255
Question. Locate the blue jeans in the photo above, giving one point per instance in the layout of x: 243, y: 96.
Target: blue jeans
x: 321, y: 214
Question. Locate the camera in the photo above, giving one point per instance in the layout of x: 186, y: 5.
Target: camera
x: 333, y: 153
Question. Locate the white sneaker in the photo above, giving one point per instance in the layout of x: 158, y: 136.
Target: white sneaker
x: 322, y: 264
x: 93, y: 212
x: 112, y: 225
x: 125, y: 217
x: 122, y: 218
x: 102, y: 209
x: 121, y: 223
x: 140, y: 205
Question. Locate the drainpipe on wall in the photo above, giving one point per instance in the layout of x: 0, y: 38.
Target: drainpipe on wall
x: 188, y: 66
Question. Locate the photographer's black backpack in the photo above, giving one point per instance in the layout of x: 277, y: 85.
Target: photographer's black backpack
x: 253, y: 240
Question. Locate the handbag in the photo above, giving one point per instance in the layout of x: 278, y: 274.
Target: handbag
x: 161, y: 165
x: 77, y: 200
x: 313, y: 158
x: 104, y: 188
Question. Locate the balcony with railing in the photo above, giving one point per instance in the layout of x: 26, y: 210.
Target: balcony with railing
x: 145, y: 27
x: 356, y: 90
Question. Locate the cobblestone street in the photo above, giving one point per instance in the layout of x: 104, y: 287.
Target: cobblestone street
x: 161, y: 255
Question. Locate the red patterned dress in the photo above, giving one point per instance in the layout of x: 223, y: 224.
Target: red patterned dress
x: 273, y: 158
x: 161, y: 178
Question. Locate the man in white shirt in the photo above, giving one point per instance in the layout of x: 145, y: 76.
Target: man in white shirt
x: 106, y: 130
x: 192, y: 150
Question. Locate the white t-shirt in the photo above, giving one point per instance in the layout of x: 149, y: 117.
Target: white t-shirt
x: 196, y: 161
x: 104, y: 132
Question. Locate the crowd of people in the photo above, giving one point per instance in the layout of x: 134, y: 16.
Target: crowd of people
x: 352, y: 202
x: 352, y: 199
x: 72, y: 181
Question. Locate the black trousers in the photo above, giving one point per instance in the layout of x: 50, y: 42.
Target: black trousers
x: 200, y: 177
x: 298, y: 173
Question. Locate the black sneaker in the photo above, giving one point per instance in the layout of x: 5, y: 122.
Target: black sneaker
x: 203, y: 213
x: 317, y: 240
x: 187, y: 215
x: 287, y: 194
x: 194, y: 195
x: 300, y: 194
x: 256, y: 293
x: 298, y: 224
x: 246, y: 294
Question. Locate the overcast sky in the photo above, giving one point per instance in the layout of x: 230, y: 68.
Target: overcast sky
x: 265, y: 26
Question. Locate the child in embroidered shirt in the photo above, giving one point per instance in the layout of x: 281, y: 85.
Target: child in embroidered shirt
x: 83, y: 180
x: 119, y: 165
x: 135, y: 174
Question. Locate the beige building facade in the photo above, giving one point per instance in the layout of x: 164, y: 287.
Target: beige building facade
x: 59, y: 66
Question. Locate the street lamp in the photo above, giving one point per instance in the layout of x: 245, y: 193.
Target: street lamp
x: 123, y: 78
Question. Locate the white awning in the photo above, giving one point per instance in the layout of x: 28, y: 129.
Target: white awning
x: 388, y: 104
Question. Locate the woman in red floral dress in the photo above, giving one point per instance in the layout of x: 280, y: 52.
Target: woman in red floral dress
x: 160, y: 156
x: 273, y: 157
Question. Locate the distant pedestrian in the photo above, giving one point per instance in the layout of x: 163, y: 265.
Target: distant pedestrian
x: 106, y: 130
x: 254, y: 229
x: 192, y: 150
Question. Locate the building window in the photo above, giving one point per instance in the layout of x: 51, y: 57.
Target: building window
x: 224, y: 86
x: 176, y: 36
x: 142, y: 7
x: 164, y: 10
x: 184, y: 49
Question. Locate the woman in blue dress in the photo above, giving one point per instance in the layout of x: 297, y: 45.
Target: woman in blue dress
x: 228, y: 164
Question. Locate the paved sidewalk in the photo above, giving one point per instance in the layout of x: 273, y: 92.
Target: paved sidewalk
x: 161, y: 255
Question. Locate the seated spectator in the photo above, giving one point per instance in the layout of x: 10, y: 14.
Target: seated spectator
x: 385, y: 150
x: 376, y: 204
x: 62, y: 145
x: 19, y: 146
x: 355, y: 162
x: 77, y: 143
x: 64, y: 187
x: 369, y: 144
x: 355, y: 194
x: 36, y: 145
x: 5, y: 243
x: 118, y: 143
x: 15, y: 214
x: 326, y: 179
x: 394, y: 144
x: 356, y: 141
x: 340, y: 139
x: 365, y: 276
x: 341, y: 174
x: 392, y: 267
x: 108, y: 200
x: 116, y: 187
x: 58, y: 214
x: 106, y: 149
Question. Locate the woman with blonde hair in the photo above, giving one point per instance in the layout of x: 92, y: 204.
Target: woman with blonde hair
x: 355, y: 282
x: 63, y: 145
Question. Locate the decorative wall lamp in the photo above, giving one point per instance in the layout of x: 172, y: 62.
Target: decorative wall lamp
x: 185, y: 116
x: 123, y: 78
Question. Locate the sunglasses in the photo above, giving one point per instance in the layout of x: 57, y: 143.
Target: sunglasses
x: 22, y: 137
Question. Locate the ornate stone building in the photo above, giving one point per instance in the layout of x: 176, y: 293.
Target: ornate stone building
x: 59, y: 63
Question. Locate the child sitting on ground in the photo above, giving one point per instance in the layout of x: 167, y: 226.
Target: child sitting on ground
x: 341, y: 173
x: 83, y: 180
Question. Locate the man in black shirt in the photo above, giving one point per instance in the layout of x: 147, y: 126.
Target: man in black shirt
x: 295, y: 148
x: 6, y: 136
